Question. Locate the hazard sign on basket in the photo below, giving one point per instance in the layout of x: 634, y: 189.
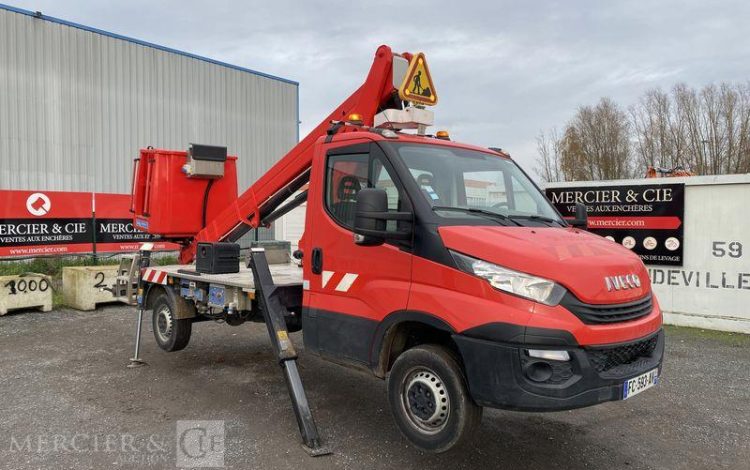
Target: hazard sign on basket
x: 417, y: 86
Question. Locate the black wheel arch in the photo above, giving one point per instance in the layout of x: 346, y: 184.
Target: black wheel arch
x: 151, y: 293
x: 394, y: 333
x: 182, y: 308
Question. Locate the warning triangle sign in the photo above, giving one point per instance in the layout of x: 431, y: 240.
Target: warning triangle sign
x: 417, y: 86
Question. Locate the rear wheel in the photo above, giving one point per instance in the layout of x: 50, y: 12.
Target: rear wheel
x: 171, y: 334
x: 429, y: 399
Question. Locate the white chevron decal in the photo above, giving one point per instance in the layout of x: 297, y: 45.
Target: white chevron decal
x: 327, y: 277
x: 346, y: 282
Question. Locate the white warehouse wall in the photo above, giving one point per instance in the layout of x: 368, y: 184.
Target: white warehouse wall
x: 76, y: 105
x: 291, y: 226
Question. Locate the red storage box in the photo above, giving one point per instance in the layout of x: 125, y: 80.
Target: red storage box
x: 166, y: 202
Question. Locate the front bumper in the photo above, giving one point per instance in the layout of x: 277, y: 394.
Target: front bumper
x: 499, y: 374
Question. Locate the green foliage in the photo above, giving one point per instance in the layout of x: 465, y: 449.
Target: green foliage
x: 165, y: 260
x: 49, y: 266
x: 53, y: 266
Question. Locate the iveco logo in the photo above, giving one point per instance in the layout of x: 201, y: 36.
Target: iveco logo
x: 627, y: 281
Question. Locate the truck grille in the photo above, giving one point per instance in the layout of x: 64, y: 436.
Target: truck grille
x: 609, y: 313
x: 604, y: 359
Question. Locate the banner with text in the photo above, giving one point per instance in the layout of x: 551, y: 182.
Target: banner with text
x: 37, y: 223
x: 647, y: 219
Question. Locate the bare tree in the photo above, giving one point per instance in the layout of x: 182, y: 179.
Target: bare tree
x: 548, y: 146
x: 658, y: 131
x: 595, y: 145
x: 574, y: 165
x: 707, y: 129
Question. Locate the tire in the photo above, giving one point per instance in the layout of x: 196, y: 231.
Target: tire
x: 170, y: 333
x: 418, y: 377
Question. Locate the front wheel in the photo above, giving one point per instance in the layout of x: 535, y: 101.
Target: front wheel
x: 171, y: 334
x: 429, y: 399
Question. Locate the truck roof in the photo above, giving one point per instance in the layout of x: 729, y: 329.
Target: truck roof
x: 412, y: 138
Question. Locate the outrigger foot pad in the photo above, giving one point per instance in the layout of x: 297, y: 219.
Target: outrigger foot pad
x: 134, y: 363
x: 317, y: 451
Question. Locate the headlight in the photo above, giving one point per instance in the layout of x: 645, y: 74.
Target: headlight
x: 525, y: 285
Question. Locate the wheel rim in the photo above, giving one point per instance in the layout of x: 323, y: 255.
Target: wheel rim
x: 425, y: 400
x: 164, y: 325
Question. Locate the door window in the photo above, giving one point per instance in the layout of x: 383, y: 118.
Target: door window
x: 346, y: 175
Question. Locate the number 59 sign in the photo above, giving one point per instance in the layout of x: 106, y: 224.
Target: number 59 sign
x: 730, y: 249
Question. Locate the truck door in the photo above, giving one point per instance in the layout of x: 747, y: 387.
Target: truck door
x: 350, y: 288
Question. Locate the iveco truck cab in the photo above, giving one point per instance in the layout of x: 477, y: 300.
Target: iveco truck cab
x: 439, y: 266
x: 416, y: 243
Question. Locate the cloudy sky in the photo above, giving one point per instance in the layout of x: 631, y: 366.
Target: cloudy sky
x: 504, y: 70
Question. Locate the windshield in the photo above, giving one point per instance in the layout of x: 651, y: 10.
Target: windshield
x: 451, y: 179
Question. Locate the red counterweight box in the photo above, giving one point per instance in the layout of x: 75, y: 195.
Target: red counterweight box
x: 166, y: 202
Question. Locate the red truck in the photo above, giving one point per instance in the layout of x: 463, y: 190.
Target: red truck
x: 436, y: 265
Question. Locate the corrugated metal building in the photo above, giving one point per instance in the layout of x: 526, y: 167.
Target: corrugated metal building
x: 77, y: 103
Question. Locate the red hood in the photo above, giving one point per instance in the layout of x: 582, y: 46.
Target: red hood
x: 574, y: 258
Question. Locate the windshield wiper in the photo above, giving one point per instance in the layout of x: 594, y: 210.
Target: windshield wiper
x: 479, y: 212
x: 536, y: 217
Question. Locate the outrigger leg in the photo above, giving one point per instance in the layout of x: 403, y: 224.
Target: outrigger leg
x: 144, y: 260
x: 265, y: 291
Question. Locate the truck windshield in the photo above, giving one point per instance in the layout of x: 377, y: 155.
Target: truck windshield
x: 457, y: 182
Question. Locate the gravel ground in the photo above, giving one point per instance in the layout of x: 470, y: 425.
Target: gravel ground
x: 68, y: 401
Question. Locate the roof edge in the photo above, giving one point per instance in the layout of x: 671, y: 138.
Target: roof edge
x: 699, y: 180
x: 91, y: 29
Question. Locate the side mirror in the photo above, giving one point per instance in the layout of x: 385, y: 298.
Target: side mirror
x: 582, y: 217
x: 368, y: 230
x: 371, y: 217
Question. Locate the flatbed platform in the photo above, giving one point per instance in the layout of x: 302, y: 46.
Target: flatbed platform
x: 288, y: 274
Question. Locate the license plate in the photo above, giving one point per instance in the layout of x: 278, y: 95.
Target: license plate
x: 638, y: 384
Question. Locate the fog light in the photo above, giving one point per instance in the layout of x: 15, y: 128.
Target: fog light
x: 539, y: 371
x: 549, y: 355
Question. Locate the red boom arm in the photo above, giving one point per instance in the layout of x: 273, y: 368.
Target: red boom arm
x: 366, y: 101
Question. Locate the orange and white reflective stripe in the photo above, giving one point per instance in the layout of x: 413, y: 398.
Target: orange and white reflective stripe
x: 154, y: 276
x: 342, y: 281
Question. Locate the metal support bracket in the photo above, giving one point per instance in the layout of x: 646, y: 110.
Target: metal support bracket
x: 272, y: 308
